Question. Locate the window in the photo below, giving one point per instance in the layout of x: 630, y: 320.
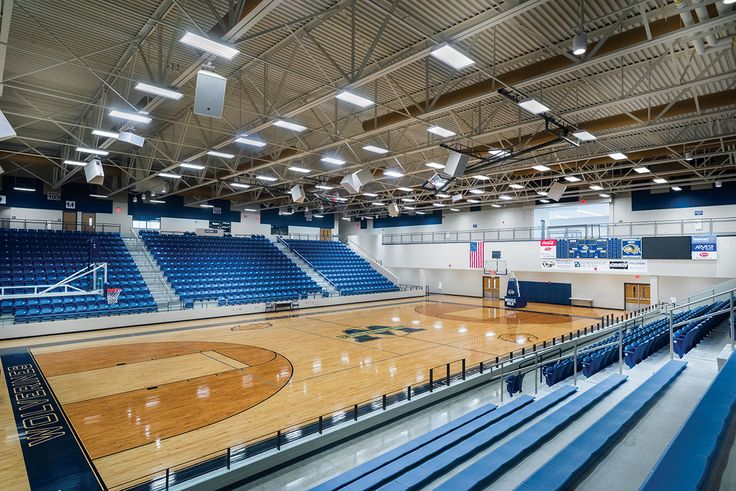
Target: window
x: 565, y: 214
x: 149, y: 224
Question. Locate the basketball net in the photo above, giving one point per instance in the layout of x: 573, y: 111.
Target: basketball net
x: 112, y: 295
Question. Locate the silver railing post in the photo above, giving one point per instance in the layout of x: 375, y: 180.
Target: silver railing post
x: 620, y: 351
x: 730, y: 318
x: 501, y: 381
x: 575, y: 364
x: 536, y: 366
x: 672, y: 340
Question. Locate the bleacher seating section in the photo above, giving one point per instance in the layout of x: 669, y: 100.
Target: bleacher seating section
x: 563, y: 470
x: 435, y: 457
x: 639, y: 344
x: 346, y: 270
x: 231, y: 270
x: 44, y: 257
x: 702, y: 440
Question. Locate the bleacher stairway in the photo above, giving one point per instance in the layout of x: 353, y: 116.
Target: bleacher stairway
x: 163, y: 294
x: 318, y: 278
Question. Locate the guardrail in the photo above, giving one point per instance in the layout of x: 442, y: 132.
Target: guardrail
x: 375, y: 261
x: 160, y: 279
x: 22, y: 224
x: 280, y: 239
x: 651, y: 228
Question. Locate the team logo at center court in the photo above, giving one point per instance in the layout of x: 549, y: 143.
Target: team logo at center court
x: 371, y: 333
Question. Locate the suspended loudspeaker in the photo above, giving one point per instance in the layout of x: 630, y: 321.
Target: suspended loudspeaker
x: 556, y: 190
x: 393, y: 209
x: 456, y: 163
x: 297, y: 194
x: 94, y: 172
x: 209, y: 96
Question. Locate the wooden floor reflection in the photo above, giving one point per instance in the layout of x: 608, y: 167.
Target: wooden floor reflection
x: 148, y: 400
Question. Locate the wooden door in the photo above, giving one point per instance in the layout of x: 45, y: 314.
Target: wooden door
x: 89, y: 220
x: 325, y: 234
x: 69, y: 221
x: 491, y: 287
x: 637, y: 295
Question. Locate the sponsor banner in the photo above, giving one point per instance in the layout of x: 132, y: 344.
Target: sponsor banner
x: 548, y: 248
x: 596, y: 265
x: 630, y: 248
x: 704, y: 247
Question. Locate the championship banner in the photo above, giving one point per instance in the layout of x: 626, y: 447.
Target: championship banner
x: 548, y: 249
x: 596, y: 265
x: 704, y: 247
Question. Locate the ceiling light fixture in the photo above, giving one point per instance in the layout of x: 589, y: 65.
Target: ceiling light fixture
x: 93, y: 151
x: 440, y: 131
x: 289, y: 126
x: 137, y: 117
x: 248, y: 140
x: 472, y: 201
x: 505, y: 197
x: 370, y: 195
x: 438, y: 205
x: 434, y: 165
x: 516, y: 186
x: 604, y: 195
x: 159, y: 91
x: 156, y: 201
x: 188, y: 165
x: 406, y: 190
x: 322, y: 186
x: 317, y: 215
x: 375, y: 149
x: 206, y: 206
x: 442, y: 195
x: 409, y: 208
x: 196, y: 41
x: 481, y: 178
x: 223, y: 155
x: 499, y: 152
x: 169, y: 175
x: 495, y: 205
x: 543, y: 200
x: 421, y: 213
x: 75, y: 162
x: 476, y: 191
x: 580, y: 43
x: 21, y: 188
x: 688, y: 156
x: 533, y: 106
x: 542, y: 193
x: 240, y: 185
x: 392, y: 173
x: 676, y: 188
x: 378, y: 203
x: 641, y: 170
x: 659, y: 180
x: 355, y: 99
x: 584, y: 136
x: 267, y: 178
x: 408, y: 200
x: 454, y: 209
x: 572, y: 178
x: 541, y: 168
x: 299, y: 169
x: 596, y: 187
x: 106, y: 134
x: 617, y: 156
x: 332, y: 160
x: 451, y: 56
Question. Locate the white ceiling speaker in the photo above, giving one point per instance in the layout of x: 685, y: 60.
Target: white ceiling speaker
x: 297, y: 194
x: 209, y: 96
x: 6, y: 131
x: 353, y: 182
x: 456, y: 163
x: 456, y: 197
x: 555, y: 191
x: 94, y: 173
x: 132, y: 138
x: 393, y: 209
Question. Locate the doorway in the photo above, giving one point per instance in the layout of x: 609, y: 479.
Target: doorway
x: 637, y: 295
x: 69, y: 221
x: 89, y: 221
x: 491, y: 287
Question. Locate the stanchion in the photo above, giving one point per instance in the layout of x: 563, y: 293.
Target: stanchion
x: 575, y: 364
x: 447, y: 376
x: 672, y: 341
x: 431, y: 379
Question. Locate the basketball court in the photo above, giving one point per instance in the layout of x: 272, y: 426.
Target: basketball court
x: 151, y: 398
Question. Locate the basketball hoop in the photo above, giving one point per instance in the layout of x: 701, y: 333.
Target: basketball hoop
x: 112, y: 295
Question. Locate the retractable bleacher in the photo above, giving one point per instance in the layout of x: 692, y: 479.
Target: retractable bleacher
x: 230, y: 270
x: 45, y: 257
x: 346, y: 270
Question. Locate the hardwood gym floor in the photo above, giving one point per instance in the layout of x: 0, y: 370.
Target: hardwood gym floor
x: 142, y: 399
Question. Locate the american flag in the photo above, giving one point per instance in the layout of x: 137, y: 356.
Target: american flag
x: 476, y: 254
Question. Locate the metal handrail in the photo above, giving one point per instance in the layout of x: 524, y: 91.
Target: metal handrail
x: 591, y: 231
x: 713, y: 296
x: 280, y: 239
x: 37, y: 224
x: 367, y: 255
x: 141, y: 246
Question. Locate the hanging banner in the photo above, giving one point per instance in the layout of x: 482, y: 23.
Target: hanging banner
x: 548, y: 248
x: 630, y: 248
x: 704, y: 247
x: 596, y: 265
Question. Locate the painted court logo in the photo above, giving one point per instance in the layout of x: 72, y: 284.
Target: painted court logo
x: 371, y: 333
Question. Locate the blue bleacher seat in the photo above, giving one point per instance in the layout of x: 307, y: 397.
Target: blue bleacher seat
x: 229, y: 270
x: 341, y: 266
x: 42, y: 257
